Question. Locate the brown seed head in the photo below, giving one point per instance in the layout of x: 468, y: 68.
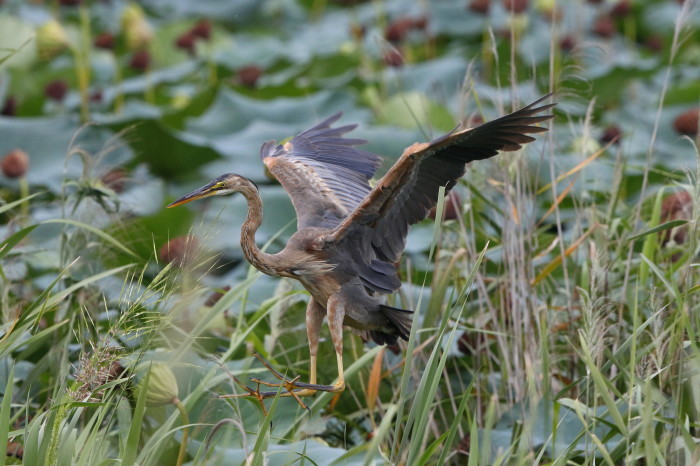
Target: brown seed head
x: 202, y: 29
x: 249, y: 75
x: 516, y: 6
x: 479, y: 6
x: 654, y: 43
x: 56, y: 89
x: 105, y: 41
x: 186, y: 42
x: 397, y: 30
x: 567, y: 43
x: 141, y: 60
x: 96, y: 96
x: 687, y: 122
x: 604, y: 27
x: 180, y: 251
x: 10, y: 107
x: 676, y: 206
x: 611, y: 133
x: 621, y: 9
x: 15, y: 163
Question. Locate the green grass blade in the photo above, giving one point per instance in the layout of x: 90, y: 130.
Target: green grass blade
x: 132, y: 442
x: 7, y: 245
x: 5, y: 410
x: 426, y: 457
x: 382, y: 431
x: 405, y: 376
x: 449, y: 440
x: 96, y: 231
x: 263, y: 440
x: 63, y: 294
x: 4, y: 208
x: 603, y: 387
x: 661, y: 276
x: 651, y: 243
x: 664, y: 226
x: 34, y: 455
x: 420, y: 414
x: 12, y: 52
x: 474, y: 443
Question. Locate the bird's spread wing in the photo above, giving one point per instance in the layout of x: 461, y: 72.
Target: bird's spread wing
x: 375, y: 232
x: 325, y: 176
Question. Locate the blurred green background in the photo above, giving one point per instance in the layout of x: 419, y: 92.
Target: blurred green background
x: 111, y: 109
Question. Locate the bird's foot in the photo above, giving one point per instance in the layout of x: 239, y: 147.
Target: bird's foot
x: 292, y: 387
x: 250, y: 393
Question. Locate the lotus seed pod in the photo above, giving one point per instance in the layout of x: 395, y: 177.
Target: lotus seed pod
x: 51, y: 39
x: 162, y: 384
x: 137, y: 31
x: 15, y: 163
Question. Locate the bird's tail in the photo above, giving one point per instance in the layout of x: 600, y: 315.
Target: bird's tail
x: 400, y: 320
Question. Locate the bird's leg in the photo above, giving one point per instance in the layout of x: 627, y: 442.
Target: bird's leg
x: 296, y: 389
x: 314, y: 319
x: 336, y: 314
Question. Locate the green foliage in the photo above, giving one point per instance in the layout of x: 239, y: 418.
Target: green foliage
x: 556, y: 308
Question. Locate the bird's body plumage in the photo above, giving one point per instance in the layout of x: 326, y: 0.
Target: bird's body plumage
x: 350, y: 236
x: 361, y: 232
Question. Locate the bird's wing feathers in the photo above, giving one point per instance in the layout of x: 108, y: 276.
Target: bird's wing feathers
x: 325, y: 175
x: 377, y: 228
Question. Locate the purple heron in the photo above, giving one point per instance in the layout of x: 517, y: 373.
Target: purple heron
x: 350, y: 236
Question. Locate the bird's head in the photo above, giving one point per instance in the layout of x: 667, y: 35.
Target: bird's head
x: 225, y: 184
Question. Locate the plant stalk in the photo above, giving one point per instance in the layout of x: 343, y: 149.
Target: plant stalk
x: 185, y: 431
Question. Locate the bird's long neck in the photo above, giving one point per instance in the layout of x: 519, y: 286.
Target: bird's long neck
x: 266, y: 263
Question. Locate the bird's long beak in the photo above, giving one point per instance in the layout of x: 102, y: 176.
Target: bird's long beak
x: 200, y: 193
